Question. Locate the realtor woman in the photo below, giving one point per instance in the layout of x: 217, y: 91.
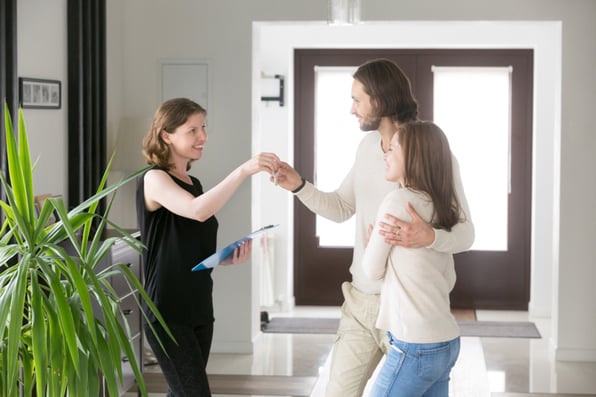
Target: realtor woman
x: 179, y: 229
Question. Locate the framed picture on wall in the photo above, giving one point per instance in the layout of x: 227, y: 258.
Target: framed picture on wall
x: 40, y: 93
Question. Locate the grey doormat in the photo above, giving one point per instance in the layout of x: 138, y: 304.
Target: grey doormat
x: 498, y: 329
x: 261, y: 385
x: 301, y: 325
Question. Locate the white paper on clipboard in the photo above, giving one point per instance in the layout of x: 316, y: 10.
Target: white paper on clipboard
x: 226, y: 251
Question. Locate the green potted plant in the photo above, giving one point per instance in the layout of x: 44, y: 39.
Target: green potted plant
x: 52, y: 342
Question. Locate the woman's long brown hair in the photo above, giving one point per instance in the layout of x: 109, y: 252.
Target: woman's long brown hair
x: 429, y: 168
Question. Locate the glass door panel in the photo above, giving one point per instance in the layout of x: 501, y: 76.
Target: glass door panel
x: 472, y: 106
x: 482, y: 99
x: 337, y: 136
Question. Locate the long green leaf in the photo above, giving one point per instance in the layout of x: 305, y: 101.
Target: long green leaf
x: 8, y: 283
x: 50, y: 331
x: 107, y: 366
x: 55, y: 347
x: 134, y: 363
x: 97, y: 246
x: 3, y: 374
x: 83, y: 293
x: 27, y: 367
x: 43, y: 218
x: 56, y: 232
x: 65, y: 316
x: 27, y: 169
x: 7, y: 286
x: 66, y: 225
x: 106, y: 191
x: 17, y: 308
x: 38, y: 332
x: 146, y: 298
x: 27, y: 370
x: 15, y: 170
x: 93, y: 206
x: 14, y: 217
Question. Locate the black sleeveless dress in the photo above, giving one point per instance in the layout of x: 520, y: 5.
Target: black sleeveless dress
x: 173, y: 246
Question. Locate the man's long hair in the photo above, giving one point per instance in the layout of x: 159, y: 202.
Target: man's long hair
x: 389, y: 89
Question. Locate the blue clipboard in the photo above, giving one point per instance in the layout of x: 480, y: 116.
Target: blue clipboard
x: 228, y: 250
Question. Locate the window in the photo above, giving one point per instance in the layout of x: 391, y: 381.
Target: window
x: 480, y: 141
x: 337, y: 136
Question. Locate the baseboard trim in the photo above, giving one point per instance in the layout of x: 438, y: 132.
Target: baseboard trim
x: 539, y: 311
x: 232, y: 347
x: 242, y: 385
x: 577, y: 355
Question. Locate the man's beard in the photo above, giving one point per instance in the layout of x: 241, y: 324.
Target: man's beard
x: 371, y: 124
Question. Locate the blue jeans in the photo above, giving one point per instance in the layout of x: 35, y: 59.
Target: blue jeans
x: 416, y: 369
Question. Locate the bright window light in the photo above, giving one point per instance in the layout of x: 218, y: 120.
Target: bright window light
x: 472, y: 106
x: 337, y: 135
x: 497, y: 381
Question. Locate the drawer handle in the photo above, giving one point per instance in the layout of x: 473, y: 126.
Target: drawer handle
x: 128, y: 264
x: 127, y: 312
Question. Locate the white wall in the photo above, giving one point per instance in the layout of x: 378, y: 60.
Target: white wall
x: 142, y: 32
x: 573, y: 319
x: 41, y: 40
x: 219, y: 33
x: 274, y: 44
x: 224, y: 37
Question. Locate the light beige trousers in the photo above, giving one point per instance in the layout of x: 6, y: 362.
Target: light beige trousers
x: 359, y: 346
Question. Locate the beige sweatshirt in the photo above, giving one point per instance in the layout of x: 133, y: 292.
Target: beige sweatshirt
x: 361, y: 193
x: 416, y: 281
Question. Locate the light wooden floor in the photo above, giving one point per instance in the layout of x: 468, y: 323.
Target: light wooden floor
x: 540, y: 395
x: 248, y: 385
x: 487, y: 367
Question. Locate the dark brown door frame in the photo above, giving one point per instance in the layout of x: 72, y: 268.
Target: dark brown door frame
x: 318, y: 272
x: 479, y: 289
x: 332, y: 264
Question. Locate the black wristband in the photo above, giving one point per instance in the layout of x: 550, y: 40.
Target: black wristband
x: 299, y: 187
